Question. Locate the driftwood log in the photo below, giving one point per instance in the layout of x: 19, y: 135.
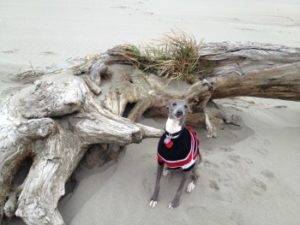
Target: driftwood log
x: 53, y: 122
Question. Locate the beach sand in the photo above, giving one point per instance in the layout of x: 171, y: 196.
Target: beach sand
x: 249, y: 175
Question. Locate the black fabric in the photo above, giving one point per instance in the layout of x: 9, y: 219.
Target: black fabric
x: 180, y: 148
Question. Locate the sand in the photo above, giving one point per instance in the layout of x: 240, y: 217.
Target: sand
x: 250, y: 174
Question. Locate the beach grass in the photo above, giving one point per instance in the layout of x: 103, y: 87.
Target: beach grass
x: 175, y: 56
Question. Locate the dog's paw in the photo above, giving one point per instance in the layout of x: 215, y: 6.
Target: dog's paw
x: 211, y: 135
x: 191, y: 186
x: 166, y: 173
x: 173, y: 204
x: 153, y: 204
x: 170, y: 206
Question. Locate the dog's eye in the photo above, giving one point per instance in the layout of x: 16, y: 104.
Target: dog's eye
x: 174, y: 104
x: 185, y: 106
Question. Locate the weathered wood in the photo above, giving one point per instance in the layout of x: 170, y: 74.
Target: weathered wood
x: 57, y: 144
x: 281, y: 82
x: 254, y: 69
x: 58, y: 118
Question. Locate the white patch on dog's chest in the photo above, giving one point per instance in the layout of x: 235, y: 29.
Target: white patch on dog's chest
x: 172, y: 126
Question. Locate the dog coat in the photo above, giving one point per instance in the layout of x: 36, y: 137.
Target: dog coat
x: 179, y: 150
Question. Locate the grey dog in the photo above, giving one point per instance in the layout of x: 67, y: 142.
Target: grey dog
x: 178, y: 149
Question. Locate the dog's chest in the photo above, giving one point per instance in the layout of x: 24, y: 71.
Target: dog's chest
x: 180, y: 148
x: 173, y: 126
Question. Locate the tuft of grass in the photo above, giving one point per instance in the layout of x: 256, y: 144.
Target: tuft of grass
x: 175, y: 56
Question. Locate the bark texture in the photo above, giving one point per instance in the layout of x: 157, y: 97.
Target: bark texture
x: 59, y: 117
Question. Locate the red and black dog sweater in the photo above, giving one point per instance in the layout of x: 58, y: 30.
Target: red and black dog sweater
x: 179, y: 150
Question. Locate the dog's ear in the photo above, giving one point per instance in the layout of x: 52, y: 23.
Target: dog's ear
x: 169, y: 104
x: 189, y: 106
x: 189, y: 109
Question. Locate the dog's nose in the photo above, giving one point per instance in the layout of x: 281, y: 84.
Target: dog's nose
x: 179, y: 113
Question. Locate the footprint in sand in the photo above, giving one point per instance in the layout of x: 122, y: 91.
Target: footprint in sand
x: 10, y: 51
x: 262, y: 151
x: 210, y: 165
x: 232, y: 160
x: 227, y: 149
x: 228, y: 165
x: 119, y: 7
x: 257, y: 186
x: 235, y: 158
x: 227, y: 180
x: 214, y: 185
x: 48, y: 53
x: 267, y: 173
x: 238, y: 159
x: 249, y: 161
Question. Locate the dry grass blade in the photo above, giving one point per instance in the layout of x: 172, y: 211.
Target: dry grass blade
x: 175, y: 56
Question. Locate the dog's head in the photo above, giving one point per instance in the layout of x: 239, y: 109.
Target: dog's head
x: 178, y: 109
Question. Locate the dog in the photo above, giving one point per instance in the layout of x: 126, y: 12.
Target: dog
x: 178, y: 149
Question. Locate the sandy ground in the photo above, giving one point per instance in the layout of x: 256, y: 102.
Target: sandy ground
x: 250, y: 175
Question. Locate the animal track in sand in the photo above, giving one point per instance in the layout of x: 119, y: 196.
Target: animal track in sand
x: 228, y: 165
x: 268, y: 174
x: 249, y: 161
x: 257, y: 186
x: 238, y: 159
x: 48, y: 53
x: 263, y: 151
x: 226, y: 149
x: 133, y: 9
x: 119, y: 7
x: 209, y: 164
x: 234, y: 158
x: 226, y: 180
x: 10, y: 51
x: 261, y: 146
x: 214, y: 185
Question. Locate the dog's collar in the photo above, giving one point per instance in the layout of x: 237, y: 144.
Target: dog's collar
x: 174, y: 135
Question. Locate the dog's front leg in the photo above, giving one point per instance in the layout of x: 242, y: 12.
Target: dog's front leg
x: 175, y: 202
x: 153, y: 200
x: 211, y: 129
